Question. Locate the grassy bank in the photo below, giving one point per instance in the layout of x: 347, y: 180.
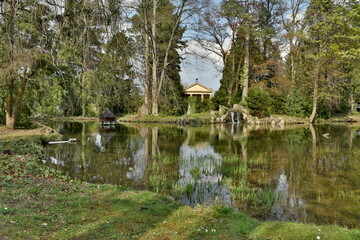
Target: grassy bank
x: 188, y: 119
x: 37, y: 202
x: 211, y: 118
x: 75, y: 119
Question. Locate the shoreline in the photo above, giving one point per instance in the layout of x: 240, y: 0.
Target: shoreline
x: 211, y: 119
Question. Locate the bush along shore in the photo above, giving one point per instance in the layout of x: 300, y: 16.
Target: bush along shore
x: 38, y: 202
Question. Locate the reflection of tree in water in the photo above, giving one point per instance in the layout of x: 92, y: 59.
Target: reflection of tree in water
x: 322, y: 180
x: 200, y: 177
x: 101, y: 156
x: 287, y: 206
x: 320, y: 185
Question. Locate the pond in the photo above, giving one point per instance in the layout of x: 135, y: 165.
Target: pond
x: 303, y: 174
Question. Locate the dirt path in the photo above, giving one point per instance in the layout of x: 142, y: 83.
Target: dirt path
x: 6, y: 133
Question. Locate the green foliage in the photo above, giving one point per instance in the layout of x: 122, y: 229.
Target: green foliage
x: 112, y: 84
x: 50, y: 99
x: 263, y: 199
x: 22, y: 147
x: 171, y: 100
x: 199, y: 106
x: 297, y: 104
x: 259, y: 102
x: 220, y: 97
x: 204, y: 105
x: 78, y: 61
x: 278, y: 102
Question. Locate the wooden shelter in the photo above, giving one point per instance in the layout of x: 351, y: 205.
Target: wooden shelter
x: 107, y: 118
x: 198, y: 90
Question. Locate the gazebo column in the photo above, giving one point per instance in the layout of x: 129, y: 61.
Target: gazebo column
x: 202, y: 97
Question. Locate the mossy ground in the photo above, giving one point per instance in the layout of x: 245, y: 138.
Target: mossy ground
x: 37, y: 202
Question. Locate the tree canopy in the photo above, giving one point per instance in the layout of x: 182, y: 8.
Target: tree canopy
x: 70, y: 58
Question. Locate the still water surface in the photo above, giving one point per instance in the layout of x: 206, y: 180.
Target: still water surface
x: 296, y: 174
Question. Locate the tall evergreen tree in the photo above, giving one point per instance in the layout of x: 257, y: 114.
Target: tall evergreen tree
x: 24, y: 44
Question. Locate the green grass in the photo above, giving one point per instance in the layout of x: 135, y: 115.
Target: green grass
x: 192, y: 118
x: 38, y: 203
x: 75, y: 119
x: 298, y: 231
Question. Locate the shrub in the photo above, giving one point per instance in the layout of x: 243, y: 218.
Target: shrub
x: 198, y: 106
x: 297, y: 104
x: 203, y: 106
x: 259, y: 102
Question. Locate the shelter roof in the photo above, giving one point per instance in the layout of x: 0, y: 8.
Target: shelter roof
x: 107, y: 114
x: 197, y: 87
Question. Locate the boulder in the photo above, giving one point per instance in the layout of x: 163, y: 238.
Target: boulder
x: 143, y: 110
x: 236, y: 108
x: 222, y: 110
x: 257, y: 121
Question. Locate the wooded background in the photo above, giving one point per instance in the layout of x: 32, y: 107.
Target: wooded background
x: 76, y: 57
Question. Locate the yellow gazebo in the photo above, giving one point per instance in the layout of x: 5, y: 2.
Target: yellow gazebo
x: 198, y: 90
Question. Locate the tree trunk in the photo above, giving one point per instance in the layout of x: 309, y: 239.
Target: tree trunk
x: 315, y: 102
x: 352, y: 101
x: 292, y: 49
x: 10, y: 22
x: 247, y: 59
x: 13, y: 110
x: 238, y: 76
x: 155, y: 107
x: 315, y: 94
x: 231, y: 85
x: 292, y: 63
x: 10, y: 121
x: 147, y: 85
x: 83, y: 95
x: 85, y: 65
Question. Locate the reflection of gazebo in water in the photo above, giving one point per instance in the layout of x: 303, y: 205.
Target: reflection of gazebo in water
x: 198, y: 90
x: 107, y: 118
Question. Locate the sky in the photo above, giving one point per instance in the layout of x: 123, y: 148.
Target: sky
x: 207, y: 70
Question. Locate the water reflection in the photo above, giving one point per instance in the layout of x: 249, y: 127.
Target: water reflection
x: 198, y: 168
x: 293, y: 175
x: 287, y: 205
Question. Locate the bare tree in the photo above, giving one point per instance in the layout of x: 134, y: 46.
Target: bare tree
x: 294, y: 24
x: 212, y: 31
x: 159, y: 63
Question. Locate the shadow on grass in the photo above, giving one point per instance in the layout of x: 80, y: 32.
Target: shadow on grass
x: 126, y: 215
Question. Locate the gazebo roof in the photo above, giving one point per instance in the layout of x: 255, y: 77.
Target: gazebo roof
x: 107, y: 114
x: 197, y: 87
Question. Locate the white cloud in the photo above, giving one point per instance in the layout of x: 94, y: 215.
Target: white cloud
x: 201, y: 64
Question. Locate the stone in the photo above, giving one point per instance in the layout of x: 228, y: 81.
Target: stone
x: 222, y: 110
x: 245, y: 117
x: 237, y: 108
x: 281, y: 122
x: 143, y: 111
x: 244, y: 110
